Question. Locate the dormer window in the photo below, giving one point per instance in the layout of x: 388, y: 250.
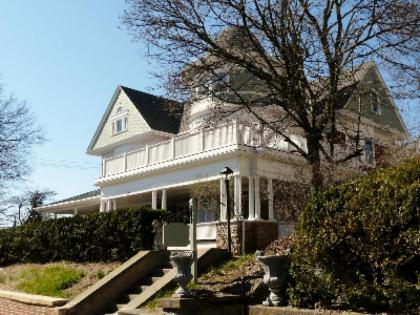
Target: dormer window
x: 119, y: 122
x: 375, y: 103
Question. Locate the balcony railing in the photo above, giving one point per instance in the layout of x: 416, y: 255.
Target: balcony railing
x: 192, y: 143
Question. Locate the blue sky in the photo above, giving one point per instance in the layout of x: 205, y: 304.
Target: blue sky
x: 65, y: 59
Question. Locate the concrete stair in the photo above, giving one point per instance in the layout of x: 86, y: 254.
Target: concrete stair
x: 147, y: 287
x: 141, y: 290
x: 132, y: 284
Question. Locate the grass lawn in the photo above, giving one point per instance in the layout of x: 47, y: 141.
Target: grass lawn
x: 62, y: 279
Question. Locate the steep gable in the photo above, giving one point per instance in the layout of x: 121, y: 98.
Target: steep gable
x: 142, y: 113
x: 136, y: 124
x: 372, y: 82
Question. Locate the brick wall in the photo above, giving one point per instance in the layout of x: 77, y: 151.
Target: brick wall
x: 11, y: 307
x: 16, y: 303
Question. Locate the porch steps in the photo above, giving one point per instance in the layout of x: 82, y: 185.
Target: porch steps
x: 147, y: 287
x: 140, y: 288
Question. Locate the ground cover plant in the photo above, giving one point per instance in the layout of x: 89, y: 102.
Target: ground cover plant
x: 357, y: 245
x: 61, y: 279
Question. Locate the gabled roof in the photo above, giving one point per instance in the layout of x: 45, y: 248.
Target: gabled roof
x: 390, y: 116
x: 159, y: 113
x: 155, y: 110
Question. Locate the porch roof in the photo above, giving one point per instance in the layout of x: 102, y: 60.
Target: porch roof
x: 87, y: 199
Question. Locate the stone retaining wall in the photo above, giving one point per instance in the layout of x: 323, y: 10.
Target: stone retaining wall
x: 16, y: 303
x: 258, y: 234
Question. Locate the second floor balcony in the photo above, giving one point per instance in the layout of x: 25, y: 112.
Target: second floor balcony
x: 198, y: 144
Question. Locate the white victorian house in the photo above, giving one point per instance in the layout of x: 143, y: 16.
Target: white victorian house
x: 151, y: 157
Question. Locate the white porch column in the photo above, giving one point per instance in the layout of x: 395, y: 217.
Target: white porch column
x: 251, y: 200
x: 154, y: 199
x: 223, y: 200
x: 257, y: 198
x: 76, y: 211
x: 238, y: 196
x: 270, y: 199
x: 102, y: 206
x: 163, y: 204
x: 108, y: 205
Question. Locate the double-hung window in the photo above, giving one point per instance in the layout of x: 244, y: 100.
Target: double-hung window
x: 119, y: 121
x: 375, y: 102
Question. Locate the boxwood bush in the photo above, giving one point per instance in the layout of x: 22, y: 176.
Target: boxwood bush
x: 110, y: 236
x: 358, y: 244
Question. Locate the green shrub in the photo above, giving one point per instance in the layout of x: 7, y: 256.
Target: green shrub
x: 110, y: 236
x: 358, y: 244
x: 49, y: 281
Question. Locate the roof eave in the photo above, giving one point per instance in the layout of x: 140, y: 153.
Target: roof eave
x: 69, y: 204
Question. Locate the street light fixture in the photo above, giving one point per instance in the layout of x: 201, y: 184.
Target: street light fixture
x: 227, y: 171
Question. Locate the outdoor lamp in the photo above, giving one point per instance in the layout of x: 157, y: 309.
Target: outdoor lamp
x: 227, y: 171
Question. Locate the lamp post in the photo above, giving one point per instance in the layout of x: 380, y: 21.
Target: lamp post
x: 227, y: 171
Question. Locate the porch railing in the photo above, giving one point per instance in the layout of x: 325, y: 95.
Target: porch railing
x: 192, y: 143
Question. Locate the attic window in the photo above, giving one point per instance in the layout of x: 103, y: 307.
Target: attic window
x: 375, y: 102
x: 119, y: 122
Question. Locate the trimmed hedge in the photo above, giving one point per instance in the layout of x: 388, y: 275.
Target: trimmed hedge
x: 358, y: 244
x: 110, y: 236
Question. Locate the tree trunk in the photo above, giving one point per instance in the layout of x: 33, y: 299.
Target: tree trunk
x: 314, y: 160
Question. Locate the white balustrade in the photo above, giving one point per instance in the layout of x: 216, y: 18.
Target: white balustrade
x: 159, y: 152
x: 114, y: 165
x: 187, y: 144
x: 136, y: 159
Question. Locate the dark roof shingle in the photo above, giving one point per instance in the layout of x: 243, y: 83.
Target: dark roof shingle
x: 160, y: 113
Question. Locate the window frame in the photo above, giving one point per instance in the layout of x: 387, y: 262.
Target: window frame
x: 120, y: 117
x: 375, y: 102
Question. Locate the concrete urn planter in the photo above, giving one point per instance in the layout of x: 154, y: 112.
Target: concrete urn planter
x: 182, y: 261
x: 275, y: 272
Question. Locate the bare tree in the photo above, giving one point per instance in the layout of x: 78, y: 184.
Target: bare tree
x: 18, y: 134
x: 297, y: 56
x: 21, y: 207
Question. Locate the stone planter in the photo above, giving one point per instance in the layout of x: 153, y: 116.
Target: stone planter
x: 275, y: 269
x: 182, y: 261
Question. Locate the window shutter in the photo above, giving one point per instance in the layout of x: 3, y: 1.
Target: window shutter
x: 125, y: 127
